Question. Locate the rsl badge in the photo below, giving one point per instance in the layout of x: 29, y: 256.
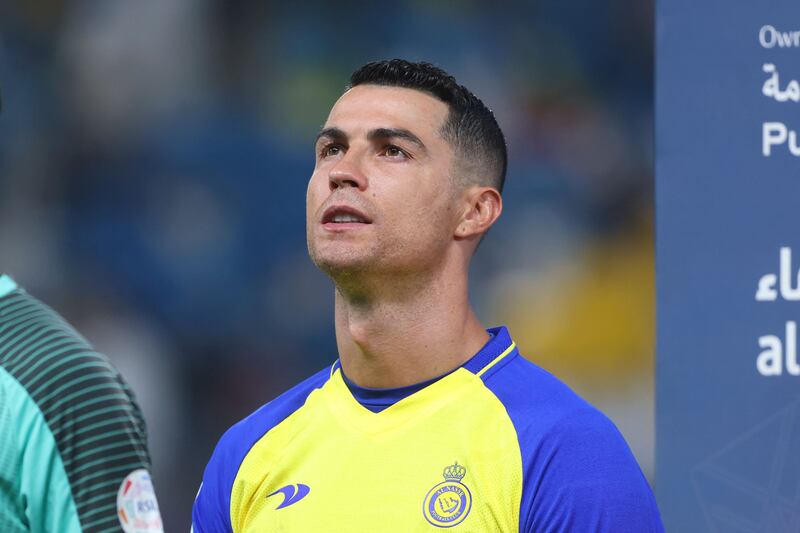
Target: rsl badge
x: 448, y: 503
x: 137, y: 506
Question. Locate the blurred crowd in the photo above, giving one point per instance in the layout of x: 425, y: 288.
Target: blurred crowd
x: 154, y: 157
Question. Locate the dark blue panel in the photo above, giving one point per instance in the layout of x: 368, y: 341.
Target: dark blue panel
x: 724, y: 210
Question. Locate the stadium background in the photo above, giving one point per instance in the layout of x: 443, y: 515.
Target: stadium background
x: 153, y: 163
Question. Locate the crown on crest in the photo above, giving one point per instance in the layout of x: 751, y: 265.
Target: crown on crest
x: 454, y: 472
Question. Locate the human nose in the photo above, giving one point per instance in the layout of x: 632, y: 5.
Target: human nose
x: 347, y: 173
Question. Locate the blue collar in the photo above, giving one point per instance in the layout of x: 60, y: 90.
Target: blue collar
x: 376, y: 400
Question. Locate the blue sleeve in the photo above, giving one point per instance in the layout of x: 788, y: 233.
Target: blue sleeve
x: 211, y: 511
x: 212, y: 507
x: 585, y: 478
x: 578, y: 472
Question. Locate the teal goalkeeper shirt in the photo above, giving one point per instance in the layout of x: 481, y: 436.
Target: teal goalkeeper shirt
x: 73, y: 449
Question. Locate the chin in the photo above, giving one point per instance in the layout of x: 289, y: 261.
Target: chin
x: 342, y: 263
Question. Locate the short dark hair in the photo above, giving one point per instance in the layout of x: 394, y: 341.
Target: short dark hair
x: 470, y: 128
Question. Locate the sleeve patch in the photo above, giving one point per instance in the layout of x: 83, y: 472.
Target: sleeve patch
x: 137, y: 506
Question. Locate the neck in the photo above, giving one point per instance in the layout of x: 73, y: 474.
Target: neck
x: 401, y: 337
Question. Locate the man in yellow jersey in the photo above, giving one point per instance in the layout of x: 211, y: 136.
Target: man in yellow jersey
x: 427, y: 420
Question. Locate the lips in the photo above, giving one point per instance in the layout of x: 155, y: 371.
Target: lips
x: 342, y: 214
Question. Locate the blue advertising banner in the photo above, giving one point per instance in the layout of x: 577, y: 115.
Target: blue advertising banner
x: 728, y: 265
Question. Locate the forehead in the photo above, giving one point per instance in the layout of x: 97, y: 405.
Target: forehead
x: 374, y: 106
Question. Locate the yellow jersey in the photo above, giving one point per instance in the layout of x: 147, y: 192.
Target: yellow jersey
x: 497, y: 445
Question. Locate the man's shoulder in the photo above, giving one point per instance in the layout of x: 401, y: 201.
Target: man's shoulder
x: 548, y: 416
x: 535, y: 398
x: 244, y: 434
x: 213, y: 499
x: 70, y: 397
x: 579, y: 472
x: 43, y: 351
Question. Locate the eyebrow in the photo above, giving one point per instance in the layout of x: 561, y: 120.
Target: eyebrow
x: 379, y: 133
x: 395, y: 133
x: 331, y: 133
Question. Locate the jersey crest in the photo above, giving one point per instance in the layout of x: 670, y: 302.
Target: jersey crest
x: 448, y: 503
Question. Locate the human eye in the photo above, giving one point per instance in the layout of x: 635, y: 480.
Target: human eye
x: 330, y: 150
x: 395, y: 152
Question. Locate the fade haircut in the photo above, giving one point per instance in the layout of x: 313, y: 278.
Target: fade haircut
x: 470, y: 127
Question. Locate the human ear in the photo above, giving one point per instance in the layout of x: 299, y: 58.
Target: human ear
x: 482, y: 208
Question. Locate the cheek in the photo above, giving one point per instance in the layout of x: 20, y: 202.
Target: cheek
x: 314, y: 194
x: 432, y: 200
x: 425, y: 214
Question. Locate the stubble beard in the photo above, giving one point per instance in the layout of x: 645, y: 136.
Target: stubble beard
x: 349, y: 269
x: 367, y: 275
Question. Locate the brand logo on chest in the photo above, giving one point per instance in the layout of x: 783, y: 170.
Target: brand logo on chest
x: 291, y: 494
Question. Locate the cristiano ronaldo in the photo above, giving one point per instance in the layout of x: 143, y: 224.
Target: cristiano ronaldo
x: 427, y: 420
